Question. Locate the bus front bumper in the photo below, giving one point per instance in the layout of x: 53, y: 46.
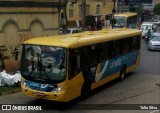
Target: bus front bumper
x: 45, y: 95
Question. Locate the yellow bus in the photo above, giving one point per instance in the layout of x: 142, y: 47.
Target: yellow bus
x: 126, y: 19
x: 64, y: 67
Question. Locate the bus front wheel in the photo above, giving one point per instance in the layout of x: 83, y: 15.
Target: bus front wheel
x: 86, y: 90
x: 122, y: 73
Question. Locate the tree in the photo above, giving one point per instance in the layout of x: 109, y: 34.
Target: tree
x: 156, y: 9
x: 137, y: 8
x: 132, y: 8
x: 139, y: 11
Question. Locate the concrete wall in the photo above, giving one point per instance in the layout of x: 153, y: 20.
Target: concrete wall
x: 18, y: 24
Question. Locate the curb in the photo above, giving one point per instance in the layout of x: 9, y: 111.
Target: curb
x: 10, y: 92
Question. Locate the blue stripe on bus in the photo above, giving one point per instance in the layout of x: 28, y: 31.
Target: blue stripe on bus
x: 115, y: 64
x: 107, y: 68
x: 40, y: 86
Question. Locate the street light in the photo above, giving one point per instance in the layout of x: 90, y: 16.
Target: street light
x: 64, y: 19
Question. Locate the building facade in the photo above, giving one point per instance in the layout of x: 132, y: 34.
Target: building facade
x: 122, y: 7
x: 22, y: 20
x: 156, y: 2
x: 93, y: 7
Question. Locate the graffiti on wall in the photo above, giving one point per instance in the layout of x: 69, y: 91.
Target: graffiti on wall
x: 3, y: 49
x: 12, y: 53
x: 6, y: 52
x: 15, y: 53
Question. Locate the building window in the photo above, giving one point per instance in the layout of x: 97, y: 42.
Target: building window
x: 71, y: 12
x: 80, y: 10
x: 97, y: 9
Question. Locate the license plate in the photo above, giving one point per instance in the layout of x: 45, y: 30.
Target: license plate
x: 39, y: 94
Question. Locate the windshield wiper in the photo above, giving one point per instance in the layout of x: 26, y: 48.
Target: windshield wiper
x: 32, y: 64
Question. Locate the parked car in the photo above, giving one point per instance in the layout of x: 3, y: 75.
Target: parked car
x: 156, y: 21
x: 154, y: 42
x: 61, y: 30
x: 71, y: 30
x: 145, y: 26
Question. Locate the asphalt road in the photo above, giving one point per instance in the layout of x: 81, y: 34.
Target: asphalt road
x: 150, y: 61
x: 137, y: 88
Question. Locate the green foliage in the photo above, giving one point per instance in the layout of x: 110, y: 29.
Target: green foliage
x: 139, y: 11
x: 156, y: 9
x: 8, y: 89
x: 132, y: 8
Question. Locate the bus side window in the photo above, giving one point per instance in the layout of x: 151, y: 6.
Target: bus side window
x: 135, y: 44
x: 138, y: 42
x: 91, y: 54
x: 125, y: 46
x: 103, y: 52
x: 111, y: 50
x: 74, y: 63
x: 114, y: 48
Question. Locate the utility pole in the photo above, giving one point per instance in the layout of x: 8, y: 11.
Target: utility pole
x: 83, y: 14
x: 120, y: 6
x: 116, y: 5
x: 113, y: 12
x: 64, y: 19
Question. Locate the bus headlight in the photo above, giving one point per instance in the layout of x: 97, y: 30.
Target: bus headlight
x: 57, y: 90
x: 25, y: 85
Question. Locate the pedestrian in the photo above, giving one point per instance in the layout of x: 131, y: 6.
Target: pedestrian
x: 149, y: 34
x: 139, y: 22
x: 99, y: 25
x: 93, y: 26
x: 140, y: 19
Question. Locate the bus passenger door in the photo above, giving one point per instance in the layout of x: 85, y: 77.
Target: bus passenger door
x: 74, y: 74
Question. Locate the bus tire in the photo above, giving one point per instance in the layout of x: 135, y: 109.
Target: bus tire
x: 122, y: 73
x: 86, y: 90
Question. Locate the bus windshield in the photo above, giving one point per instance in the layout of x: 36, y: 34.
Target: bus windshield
x: 120, y: 21
x: 43, y: 64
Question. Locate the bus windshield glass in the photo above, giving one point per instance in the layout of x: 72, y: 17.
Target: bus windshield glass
x: 120, y: 21
x: 43, y: 64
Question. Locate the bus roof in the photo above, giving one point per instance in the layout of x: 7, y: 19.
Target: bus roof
x: 84, y: 38
x: 126, y: 14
